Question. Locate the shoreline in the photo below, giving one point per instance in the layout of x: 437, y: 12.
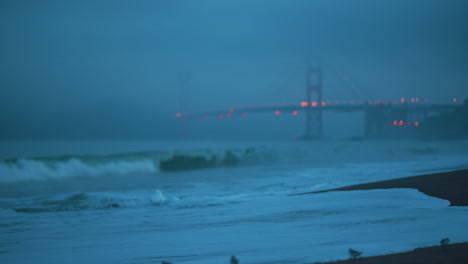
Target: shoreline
x: 453, y: 254
x: 451, y: 186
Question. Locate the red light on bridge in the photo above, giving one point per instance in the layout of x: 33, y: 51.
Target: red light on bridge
x: 243, y: 114
x: 416, y: 99
x: 401, y: 123
x: 323, y: 104
x: 416, y: 123
x: 220, y: 116
x: 402, y: 100
x: 198, y: 119
x: 206, y: 116
x: 277, y: 112
x: 295, y: 112
x: 314, y: 104
x: 369, y: 101
x: 454, y: 100
x: 296, y: 137
x: 178, y: 115
x: 351, y: 102
x: 229, y: 114
x: 426, y: 100
x: 304, y: 104
x: 395, y: 122
x: 412, y: 100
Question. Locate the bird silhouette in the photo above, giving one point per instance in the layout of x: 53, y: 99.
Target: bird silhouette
x: 234, y: 260
x: 354, y: 253
x: 444, y: 243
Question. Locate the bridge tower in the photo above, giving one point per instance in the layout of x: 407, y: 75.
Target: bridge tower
x: 313, y: 128
x: 376, y: 120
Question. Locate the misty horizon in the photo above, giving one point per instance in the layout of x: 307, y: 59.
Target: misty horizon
x: 114, y: 70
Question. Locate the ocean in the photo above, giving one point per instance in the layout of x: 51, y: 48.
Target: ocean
x: 110, y: 202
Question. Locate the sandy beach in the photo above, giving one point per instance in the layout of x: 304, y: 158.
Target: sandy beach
x: 451, y: 186
x: 453, y: 254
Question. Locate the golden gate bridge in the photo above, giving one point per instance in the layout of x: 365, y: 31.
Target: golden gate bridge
x: 379, y: 115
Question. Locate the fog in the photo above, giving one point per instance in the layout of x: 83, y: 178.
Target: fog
x: 116, y: 69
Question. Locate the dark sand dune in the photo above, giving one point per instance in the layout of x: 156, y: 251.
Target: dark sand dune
x: 452, y: 186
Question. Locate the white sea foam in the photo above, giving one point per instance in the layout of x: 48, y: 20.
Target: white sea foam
x: 26, y: 169
x: 81, y: 201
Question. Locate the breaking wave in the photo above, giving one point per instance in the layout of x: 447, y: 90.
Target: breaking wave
x: 89, y: 166
x: 83, y: 201
x: 30, y: 169
x: 33, y: 176
x: 88, y: 201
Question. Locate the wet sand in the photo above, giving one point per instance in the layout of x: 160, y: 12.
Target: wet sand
x: 451, y: 186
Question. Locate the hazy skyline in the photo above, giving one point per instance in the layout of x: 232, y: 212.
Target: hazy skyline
x: 112, y: 69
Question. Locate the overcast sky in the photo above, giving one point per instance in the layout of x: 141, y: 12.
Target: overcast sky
x: 72, y: 69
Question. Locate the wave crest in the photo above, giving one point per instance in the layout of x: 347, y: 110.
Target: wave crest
x: 28, y: 169
x: 91, y: 201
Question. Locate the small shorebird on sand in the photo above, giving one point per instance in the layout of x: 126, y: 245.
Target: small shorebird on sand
x: 444, y: 243
x: 234, y: 260
x: 354, y: 253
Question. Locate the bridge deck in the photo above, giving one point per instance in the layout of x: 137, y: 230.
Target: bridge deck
x: 333, y: 108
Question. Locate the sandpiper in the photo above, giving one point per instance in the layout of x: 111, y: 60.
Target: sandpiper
x: 234, y: 260
x: 354, y: 253
x: 444, y: 243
